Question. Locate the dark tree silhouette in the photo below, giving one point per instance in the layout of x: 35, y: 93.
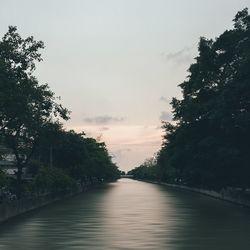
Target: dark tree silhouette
x: 30, y: 125
x: 25, y: 106
x: 208, y: 143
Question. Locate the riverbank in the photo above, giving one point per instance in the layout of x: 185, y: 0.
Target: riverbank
x: 228, y: 195
x: 14, y: 208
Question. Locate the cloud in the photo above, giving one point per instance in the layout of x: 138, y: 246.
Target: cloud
x: 103, y: 119
x: 164, y: 99
x: 104, y: 129
x: 120, y: 153
x: 166, y: 116
x: 183, y: 56
x: 158, y: 127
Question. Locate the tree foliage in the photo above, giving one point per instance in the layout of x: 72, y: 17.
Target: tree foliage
x: 82, y: 158
x: 25, y: 106
x: 208, y: 143
x: 30, y: 122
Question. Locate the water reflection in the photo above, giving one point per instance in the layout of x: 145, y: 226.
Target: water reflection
x: 131, y: 215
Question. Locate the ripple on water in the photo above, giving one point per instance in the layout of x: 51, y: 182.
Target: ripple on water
x: 131, y: 215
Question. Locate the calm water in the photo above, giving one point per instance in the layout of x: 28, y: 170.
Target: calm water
x: 131, y: 215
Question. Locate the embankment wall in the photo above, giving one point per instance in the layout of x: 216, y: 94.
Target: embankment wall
x: 229, y: 195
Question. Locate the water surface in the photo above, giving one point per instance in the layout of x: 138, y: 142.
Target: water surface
x: 127, y: 215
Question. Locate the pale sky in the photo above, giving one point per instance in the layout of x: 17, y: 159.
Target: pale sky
x: 116, y: 64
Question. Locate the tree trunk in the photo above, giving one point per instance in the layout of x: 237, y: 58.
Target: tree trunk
x: 19, y: 181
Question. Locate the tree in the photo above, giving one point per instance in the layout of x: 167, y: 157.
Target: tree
x: 82, y: 158
x: 52, y: 180
x: 147, y: 170
x: 25, y: 106
x: 3, y: 179
x: 209, y: 144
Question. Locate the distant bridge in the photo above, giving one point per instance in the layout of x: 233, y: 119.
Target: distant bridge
x: 126, y: 176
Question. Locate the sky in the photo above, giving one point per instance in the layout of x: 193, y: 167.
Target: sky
x: 116, y: 64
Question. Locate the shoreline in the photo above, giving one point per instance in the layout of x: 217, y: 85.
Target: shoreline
x: 11, y: 209
x: 226, y: 195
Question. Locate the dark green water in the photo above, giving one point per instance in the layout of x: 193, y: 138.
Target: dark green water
x: 131, y: 215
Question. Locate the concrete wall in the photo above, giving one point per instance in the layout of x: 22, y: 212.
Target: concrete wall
x: 230, y: 195
x: 14, y: 208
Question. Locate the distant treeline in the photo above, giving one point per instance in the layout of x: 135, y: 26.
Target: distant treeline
x: 31, y: 128
x: 208, y: 143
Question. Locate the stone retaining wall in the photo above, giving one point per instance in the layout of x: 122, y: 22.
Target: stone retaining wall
x: 17, y: 207
x: 230, y: 195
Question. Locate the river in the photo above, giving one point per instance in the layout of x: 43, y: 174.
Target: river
x: 129, y: 214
